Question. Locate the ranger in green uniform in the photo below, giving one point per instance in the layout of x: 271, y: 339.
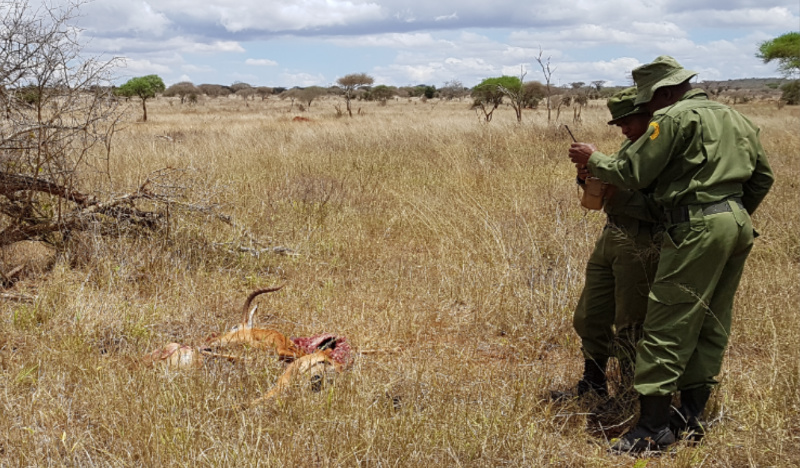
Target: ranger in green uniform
x: 710, y: 174
x: 620, y: 271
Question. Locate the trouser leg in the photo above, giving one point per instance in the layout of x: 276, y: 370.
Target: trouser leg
x: 693, y: 259
x: 706, y: 360
x: 594, y: 315
x: 634, y: 266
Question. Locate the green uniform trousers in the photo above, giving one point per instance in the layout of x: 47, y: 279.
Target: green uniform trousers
x: 612, y: 306
x: 689, y: 313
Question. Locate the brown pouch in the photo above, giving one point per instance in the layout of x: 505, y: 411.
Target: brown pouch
x: 594, y: 193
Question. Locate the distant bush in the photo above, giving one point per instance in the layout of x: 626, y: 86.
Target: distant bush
x: 791, y: 93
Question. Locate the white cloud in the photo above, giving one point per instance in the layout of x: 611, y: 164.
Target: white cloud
x: 418, y: 74
x: 114, y: 18
x: 656, y: 29
x: 144, y: 67
x: 214, y: 47
x: 261, y: 62
x: 590, y: 35
x: 294, y: 15
x: 453, y: 16
x: 700, y: 5
x: 776, y: 17
x: 392, y: 40
x: 303, y: 79
x: 405, y: 16
x: 172, y: 45
x: 468, y: 64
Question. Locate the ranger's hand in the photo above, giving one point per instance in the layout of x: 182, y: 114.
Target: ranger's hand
x: 583, y: 171
x: 579, y: 152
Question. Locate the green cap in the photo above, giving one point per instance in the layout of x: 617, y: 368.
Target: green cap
x: 622, y: 105
x: 663, y: 71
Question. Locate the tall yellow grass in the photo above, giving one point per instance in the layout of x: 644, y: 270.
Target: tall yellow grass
x: 415, y: 225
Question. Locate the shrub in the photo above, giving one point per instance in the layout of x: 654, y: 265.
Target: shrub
x: 791, y: 93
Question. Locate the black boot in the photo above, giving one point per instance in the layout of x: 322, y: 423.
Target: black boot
x: 594, y: 378
x: 685, y: 421
x: 652, y: 432
x: 593, y: 382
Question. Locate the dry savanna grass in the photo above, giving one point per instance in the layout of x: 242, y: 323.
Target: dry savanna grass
x: 410, y: 225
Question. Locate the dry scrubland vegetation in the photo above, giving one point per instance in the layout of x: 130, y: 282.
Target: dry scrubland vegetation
x: 415, y: 225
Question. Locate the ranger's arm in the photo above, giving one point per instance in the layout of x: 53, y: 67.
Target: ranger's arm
x: 756, y: 188
x: 639, y: 165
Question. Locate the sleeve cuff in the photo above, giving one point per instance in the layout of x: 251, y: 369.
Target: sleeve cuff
x: 596, y: 158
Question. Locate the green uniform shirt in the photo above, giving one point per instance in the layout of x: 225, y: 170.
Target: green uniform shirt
x: 634, y: 204
x: 696, y: 151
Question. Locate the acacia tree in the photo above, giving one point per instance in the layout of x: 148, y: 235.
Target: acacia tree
x: 246, y: 93
x: 214, y: 90
x: 513, y: 89
x: 598, y: 86
x: 304, y: 95
x: 309, y: 93
x: 784, y: 49
x: 238, y: 86
x: 243, y: 90
x: 182, y: 90
x: 352, y: 82
x: 488, y: 95
x: 145, y: 87
x: 264, y: 92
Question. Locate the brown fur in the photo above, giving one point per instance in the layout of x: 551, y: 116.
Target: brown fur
x: 174, y: 355
x: 315, y: 365
x: 244, y: 334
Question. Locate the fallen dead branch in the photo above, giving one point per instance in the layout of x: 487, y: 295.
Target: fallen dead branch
x: 86, y: 211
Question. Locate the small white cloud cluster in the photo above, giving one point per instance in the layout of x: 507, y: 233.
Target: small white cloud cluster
x: 261, y: 62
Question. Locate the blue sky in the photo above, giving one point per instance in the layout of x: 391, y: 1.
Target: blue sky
x: 314, y: 42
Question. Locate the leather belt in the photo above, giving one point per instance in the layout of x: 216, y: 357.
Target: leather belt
x: 681, y: 214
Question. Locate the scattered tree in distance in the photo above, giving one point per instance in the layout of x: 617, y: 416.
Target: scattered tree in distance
x: 145, y: 87
x: 350, y: 83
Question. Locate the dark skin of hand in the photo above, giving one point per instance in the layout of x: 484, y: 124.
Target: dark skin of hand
x: 579, y: 153
x: 632, y: 126
x: 583, y: 172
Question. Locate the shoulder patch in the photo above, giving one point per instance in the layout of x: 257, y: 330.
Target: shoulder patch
x: 656, y: 130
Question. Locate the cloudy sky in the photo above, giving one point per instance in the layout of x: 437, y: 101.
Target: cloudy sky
x: 314, y: 42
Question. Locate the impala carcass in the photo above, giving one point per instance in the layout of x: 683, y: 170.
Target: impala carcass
x: 244, y: 334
